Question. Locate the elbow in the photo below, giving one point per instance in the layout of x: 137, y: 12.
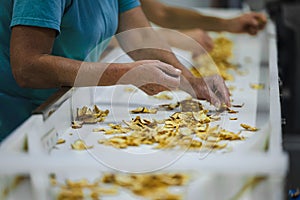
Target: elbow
x: 30, y: 73
x: 20, y: 75
x: 20, y: 78
x: 19, y: 65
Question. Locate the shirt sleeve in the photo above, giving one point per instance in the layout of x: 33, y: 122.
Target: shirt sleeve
x: 45, y: 13
x: 125, y: 5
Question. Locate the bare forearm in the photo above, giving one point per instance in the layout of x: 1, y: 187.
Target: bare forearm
x: 180, y: 18
x: 33, y: 65
x: 187, y: 19
x: 47, y: 71
x: 165, y: 56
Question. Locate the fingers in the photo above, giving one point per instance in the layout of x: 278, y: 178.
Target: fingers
x: 261, y: 18
x: 252, y: 30
x: 205, y: 92
x: 169, y: 82
x: 153, y: 76
x: 202, y: 39
x: 256, y: 22
x: 250, y: 23
x: 219, y: 89
x: 166, y: 75
x: 205, y: 40
x: 222, y: 93
x: 214, y: 90
x: 214, y: 99
x: 168, y: 69
x: 209, y: 44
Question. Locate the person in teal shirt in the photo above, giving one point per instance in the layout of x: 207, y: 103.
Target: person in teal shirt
x: 16, y: 103
x: 46, y: 44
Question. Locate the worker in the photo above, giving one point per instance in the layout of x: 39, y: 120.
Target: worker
x: 194, y: 24
x: 48, y: 44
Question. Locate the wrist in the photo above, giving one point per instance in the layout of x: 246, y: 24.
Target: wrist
x: 225, y: 24
x: 112, y: 73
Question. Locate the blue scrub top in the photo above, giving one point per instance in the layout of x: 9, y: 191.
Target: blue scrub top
x: 81, y: 26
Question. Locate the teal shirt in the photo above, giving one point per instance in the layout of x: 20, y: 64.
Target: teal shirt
x: 82, y: 25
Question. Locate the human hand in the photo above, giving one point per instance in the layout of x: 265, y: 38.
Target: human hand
x: 202, y: 38
x: 249, y: 23
x: 152, y: 76
x: 219, y: 93
x: 210, y: 88
x: 195, y: 40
